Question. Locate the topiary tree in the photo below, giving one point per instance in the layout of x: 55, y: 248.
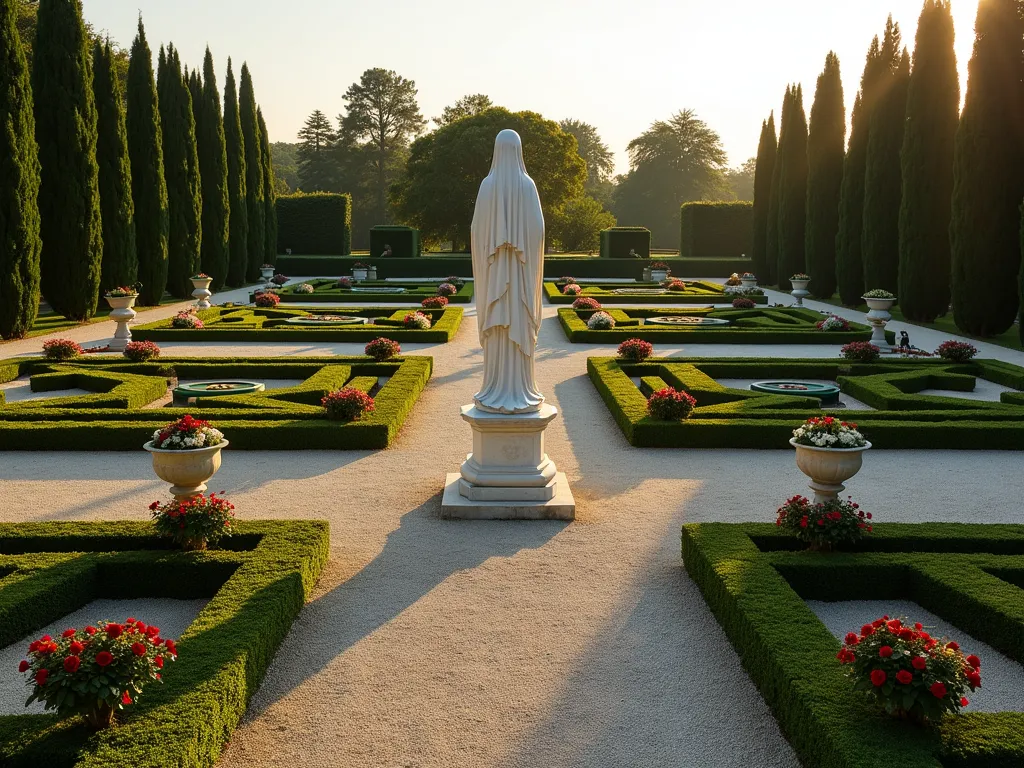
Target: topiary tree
x: 120, y: 261
x: 826, y: 145
x: 69, y: 198
x: 19, y: 185
x: 149, y: 189
x: 254, y: 181
x: 988, y: 177
x: 764, y: 168
x: 933, y: 112
x: 792, y: 165
x: 213, y: 171
x: 238, y: 218
x: 269, y: 194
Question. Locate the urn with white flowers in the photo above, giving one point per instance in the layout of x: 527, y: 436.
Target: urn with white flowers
x: 186, y: 454
x: 830, y: 452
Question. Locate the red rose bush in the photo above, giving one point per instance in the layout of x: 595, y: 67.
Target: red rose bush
x: 347, y: 404
x: 956, y: 351
x: 446, y: 289
x: 416, y: 321
x: 743, y: 303
x: 61, y: 349
x: 907, y: 671
x: 267, y: 299
x: 434, y: 302
x: 572, y: 289
x: 187, y: 319
x: 670, y: 404
x: 635, y: 350
x: 585, y: 302
x: 824, y: 525
x: 383, y: 349
x: 860, y: 352
x: 141, y: 351
x: 96, y: 670
x: 194, y: 523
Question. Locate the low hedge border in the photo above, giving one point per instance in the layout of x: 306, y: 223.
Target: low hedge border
x: 256, y: 590
x: 325, y: 289
x: 269, y: 325
x: 967, y: 574
x: 698, y: 292
x: 729, y: 418
x: 281, y: 419
x: 749, y: 326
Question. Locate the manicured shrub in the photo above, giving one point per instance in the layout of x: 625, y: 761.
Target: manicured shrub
x: 833, y: 323
x: 383, y: 349
x: 601, y: 321
x: 572, y: 290
x: 434, y: 302
x: 304, y: 288
x: 956, y: 351
x: 670, y: 404
x: 62, y: 349
x: 635, y: 350
x: 267, y: 299
x: 187, y: 319
x: 824, y: 525
x: 743, y: 303
x: 716, y: 229
x: 446, y: 289
x: 315, y: 224
x: 141, y: 351
x: 345, y: 283
x: 280, y: 279
x: 860, y: 352
x: 676, y: 286
x: 347, y: 404
x: 403, y: 241
x: 195, y: 523
x: 586, y: 302
x: 416, y: 320
x: 567, y: 280
x: 455, y: 280
x: 186, y: 434
x: 734, y: 279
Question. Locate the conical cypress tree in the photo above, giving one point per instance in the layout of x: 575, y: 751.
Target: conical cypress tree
x: 149, y: 189
x: 882, y: 175
x: 792, y: 164
x: 933, y: 112
x: 69, y: 198
x: 988, y: 177
x: 120, y: 261
x: 19, y: 185
x: 213, y: 167
x: 181, y: 170
x: 826, y: 145
x: 269, y: 193
x: 771, y: 251
x: 238, y: 233
x: 254, y: 192
x: 763, y: 171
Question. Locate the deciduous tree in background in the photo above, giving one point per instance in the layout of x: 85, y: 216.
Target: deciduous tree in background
x: 577, y: 225
x: 764, y: 172
x: 238, y: 219
x: 467, y: 106
x: 596, y: 154
x: 254, y: 182
x: 792, y: 172
x: 213, y: 170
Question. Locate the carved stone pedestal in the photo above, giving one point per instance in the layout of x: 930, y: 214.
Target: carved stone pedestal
x: 508, y: 476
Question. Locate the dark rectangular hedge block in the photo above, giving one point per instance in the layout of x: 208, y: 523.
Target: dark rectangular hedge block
x: 404, y: 241
x: 257, y: 584
x: 716, y: 229
x: 617, y: 242
x: 319, y: 223
x: 755, y: 581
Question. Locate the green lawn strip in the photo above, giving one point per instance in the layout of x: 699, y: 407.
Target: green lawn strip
x: 731, y: 418
x: 256, y: 590
x: 51, y: 322
x: 748, y: 326
x: 756, y: 589
x: 415, y: 292
x: 246, y: 324
x: 274, y: 420
x: 697, y: 292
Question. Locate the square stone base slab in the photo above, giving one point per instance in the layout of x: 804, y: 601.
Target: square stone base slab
x: 456, y: 506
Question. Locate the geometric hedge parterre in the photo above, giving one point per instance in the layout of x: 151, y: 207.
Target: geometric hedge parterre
x: 697, y: 292
x: 755, y: 582
x: 256, y: 584
x: 328, y: 290
x: 746, y: 326
x: 248, y: 324
x: 115, y: 415
x: 735, y: 418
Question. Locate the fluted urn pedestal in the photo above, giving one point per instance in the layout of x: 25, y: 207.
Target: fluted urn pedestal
x: 508, y: 476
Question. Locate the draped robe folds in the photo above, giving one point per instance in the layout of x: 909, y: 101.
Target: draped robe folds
x: 507, y: 241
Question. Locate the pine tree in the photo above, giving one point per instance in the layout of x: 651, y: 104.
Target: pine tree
x: 254, y: 192
x: 318, y: 166
x: 988, y: 177
x: 792, y: 164
x: 149, y: 190
x: 120, y: 260
x: 69, y: 198
x: 933, y: 112
x: 19, y: 185
x: 763, y: 171
x: 181, y: 171
x: 238, y: 233
x: 213, y: 168
x: 826, y: 145
x: 882, y: 175
x: 269, y: 193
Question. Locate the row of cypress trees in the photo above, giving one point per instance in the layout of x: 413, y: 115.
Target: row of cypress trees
x: 925, y: 202
x: 100, y: 188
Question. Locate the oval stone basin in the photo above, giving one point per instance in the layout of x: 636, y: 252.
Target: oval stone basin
x: 330, y: 320
x: 180, y: 395
x: 383, y: 289
x: 827, y: 393
x: 687, y: 321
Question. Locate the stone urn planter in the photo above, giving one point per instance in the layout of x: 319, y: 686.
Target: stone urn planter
x: 359, y: 273
x: 266, y: 273
x: 202, y: 291
x: 371, y: 273
x: 800, y: 291
x: 828, y: 468
x: 659, y: 275
x: 748, y: 282
x: 187, y: 471
x: 122, y: 313
x: 877, y: 316
x: 647, y: 275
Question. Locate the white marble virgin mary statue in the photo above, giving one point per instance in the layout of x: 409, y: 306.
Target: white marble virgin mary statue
x: 508, y: 266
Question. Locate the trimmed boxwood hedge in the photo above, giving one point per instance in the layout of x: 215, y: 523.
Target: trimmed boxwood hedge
x: 617, y: 242
x: 280, y: 419
x: 697, y: 292
x: 328, y: 290
x: 257, y: 585
x: 756, y: 585
x: 716, y: 229
x: 749, y: 326
x: 317, y: 223
x: 404, y: 241
x: 732, y: 418
x: 268, y: 325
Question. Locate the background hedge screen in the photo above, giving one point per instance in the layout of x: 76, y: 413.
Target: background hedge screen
x: 404, y: 241
x: 618, y: 241
x: 716, y: 230
x: 316, y: 224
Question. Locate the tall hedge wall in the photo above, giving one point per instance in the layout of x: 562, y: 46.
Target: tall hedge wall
x: 617, y: 242
x: 404, y: 241
x: 716, y: 229
x: 318, y: 224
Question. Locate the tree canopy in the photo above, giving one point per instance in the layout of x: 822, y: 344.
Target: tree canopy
x: 467, y: 106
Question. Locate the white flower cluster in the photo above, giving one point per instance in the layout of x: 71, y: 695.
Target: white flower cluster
x: 600, y: 321
x: 201, y: 439
x: 846, y: 438
x: 304, y: 288
x: 833, y: 323
x: 739, y: 290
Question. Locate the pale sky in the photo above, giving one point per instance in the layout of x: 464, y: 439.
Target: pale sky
x: 618, y: 65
